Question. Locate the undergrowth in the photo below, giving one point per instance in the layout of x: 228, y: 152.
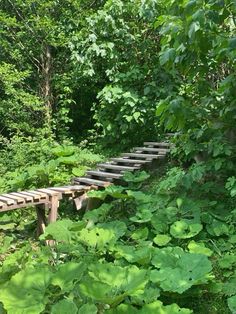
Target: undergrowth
x: 154, y: 246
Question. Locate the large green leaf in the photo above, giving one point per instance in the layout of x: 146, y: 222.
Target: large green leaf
x: 97, y: 238
x: 118, y: 227
x: 99, y: 291
x: 26, y: 291
x: 88, y: 308
x: 130, y: 279
x: 218, y: 228
x: 158, y: 308
x: 132, y: 254
x: 110, y: 284
x: 123, y: 309
x: 184, y: 229
x: 99, y: 214
x: 104, y: 235
x: 199, y: 248
x: 64, y: 306
x: 58, y: 231
x: 178, y: 271
x: 161, y: 239
x: 232, y: 304
x: 68, y: 274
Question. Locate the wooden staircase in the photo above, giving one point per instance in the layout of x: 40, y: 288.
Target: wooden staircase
x: 104, y: 175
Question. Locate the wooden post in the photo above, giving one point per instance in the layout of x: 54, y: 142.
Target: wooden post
x: 52, y: 216
x: 81, y: 201
x: 41, y: 219
x: 93, y: 203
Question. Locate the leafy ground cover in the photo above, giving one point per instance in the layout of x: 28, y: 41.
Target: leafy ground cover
x: 41, y: 163
x: 150, y: 249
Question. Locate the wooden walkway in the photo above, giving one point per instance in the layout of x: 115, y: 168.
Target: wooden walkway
x: 47, y: 199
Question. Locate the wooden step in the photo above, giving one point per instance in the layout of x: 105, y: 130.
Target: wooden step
x: 130, y: 161
x: 26, y: 196
x: 118, y: 168
x: 92, y: 182
x: 80, y: 188
x: 7, y: 200
x: 104, y: 174
x: 152, y: 149
x: 36, y: 194
x: 157, y: 144
x: 2, y: 205
x: 69, y: 190
x: 49, y: 192
x: 18, y: 199
x: 138, y: 155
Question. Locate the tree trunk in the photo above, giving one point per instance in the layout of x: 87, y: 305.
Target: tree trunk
x: 46, y: 84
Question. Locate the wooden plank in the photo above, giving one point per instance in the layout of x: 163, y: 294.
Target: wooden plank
x: 104, y: 174
x: 2, y: 205
x: 118, y: 168
x: 49, y: 192
x: 38, y: 193
x: 28, y: 197
x: 69, y: 190
x: 24, y: 205
x: 18, y: 199
x: 158, y: 144
x: 92, y: 182
x: 80, y: 188
x: 7, y: 200
x: 138, y: 155
x: 130, y: 161
x: 152, y: 149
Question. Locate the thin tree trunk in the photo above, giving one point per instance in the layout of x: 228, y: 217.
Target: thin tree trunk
x: 46, y: 84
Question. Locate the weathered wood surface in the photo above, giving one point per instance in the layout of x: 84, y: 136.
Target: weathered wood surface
x: 130, y: 161
x: 157, y: 144
x: 104, y: 174
x: 139, y: 155
x: 118, y: 168
x: 92, y: 182
x: 152, y: 149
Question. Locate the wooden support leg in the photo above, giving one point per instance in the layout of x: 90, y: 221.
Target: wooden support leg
x: 81, y: 201
x: 41, y: 222
x: 93, y: 203
x: 52, y: 216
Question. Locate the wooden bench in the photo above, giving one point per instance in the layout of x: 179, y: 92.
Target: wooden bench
x: 42, y: 200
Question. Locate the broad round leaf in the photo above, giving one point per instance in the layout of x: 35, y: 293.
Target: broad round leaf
x: 184, y: 229
x: 161, y: 239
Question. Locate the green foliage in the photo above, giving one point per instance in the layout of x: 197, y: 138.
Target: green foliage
x: 43, y: 163
x: 110, y: 262
x: 118, y: 44
x: 121, y: 72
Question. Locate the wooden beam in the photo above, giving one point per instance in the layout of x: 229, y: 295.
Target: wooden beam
x: 92, y: 182
x: 104, y: 174
x: 130, y: 161
x: 138, y: 155
x: 157, y: 144
x: 152, y: 149
x: 117, y: 167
